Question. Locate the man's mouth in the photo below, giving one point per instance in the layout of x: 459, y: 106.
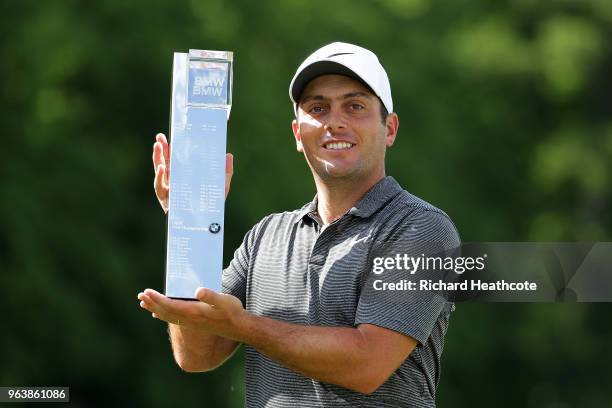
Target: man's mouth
x: 338, y: 145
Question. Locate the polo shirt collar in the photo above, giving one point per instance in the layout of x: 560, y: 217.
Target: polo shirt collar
x: 308, y: 209
x: 376, y: 197
x: 372, y: 201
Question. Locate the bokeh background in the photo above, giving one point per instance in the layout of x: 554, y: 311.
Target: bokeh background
x: 506, y: 124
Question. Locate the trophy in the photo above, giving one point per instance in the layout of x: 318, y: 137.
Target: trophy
x: 201, y: 104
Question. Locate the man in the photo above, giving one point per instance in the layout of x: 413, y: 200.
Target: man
x: 315, y: 333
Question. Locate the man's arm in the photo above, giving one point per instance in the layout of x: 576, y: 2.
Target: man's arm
x: 359, y: 358
x: 194, y: 349
x: 197, y: 351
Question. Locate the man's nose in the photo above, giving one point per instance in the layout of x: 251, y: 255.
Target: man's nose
x: 335, y: 120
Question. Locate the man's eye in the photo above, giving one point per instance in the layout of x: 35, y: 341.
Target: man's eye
x: 316, y: 109
x: 357, y: 107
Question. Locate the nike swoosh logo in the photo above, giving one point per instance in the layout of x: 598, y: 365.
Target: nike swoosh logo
x: 339, y: 53
x: 356, y: 241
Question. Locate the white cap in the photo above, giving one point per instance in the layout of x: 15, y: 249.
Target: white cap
x: 343, y: 59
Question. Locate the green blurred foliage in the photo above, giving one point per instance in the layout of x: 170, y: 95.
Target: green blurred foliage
x: 505, y: 123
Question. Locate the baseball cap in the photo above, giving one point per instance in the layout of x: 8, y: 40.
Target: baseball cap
x: 343, y: 59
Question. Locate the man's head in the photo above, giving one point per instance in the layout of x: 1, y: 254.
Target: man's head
x: 342, y: 101
x: 348, y: 60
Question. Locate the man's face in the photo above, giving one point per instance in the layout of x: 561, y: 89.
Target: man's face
x: 340, y: 130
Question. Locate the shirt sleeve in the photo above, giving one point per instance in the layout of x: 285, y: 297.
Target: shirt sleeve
x: 234, y: 277
x: 411, y: 312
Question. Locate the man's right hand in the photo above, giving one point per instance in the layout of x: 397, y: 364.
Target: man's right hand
x: 161, y: 167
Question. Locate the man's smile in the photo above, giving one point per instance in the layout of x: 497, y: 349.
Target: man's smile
x: 338, y: 145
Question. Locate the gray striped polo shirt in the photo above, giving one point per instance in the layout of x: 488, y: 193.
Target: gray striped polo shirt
x: 290, y: 268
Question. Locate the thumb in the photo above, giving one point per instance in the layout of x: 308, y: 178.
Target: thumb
x: 208, y: 296
x: 229, y: 171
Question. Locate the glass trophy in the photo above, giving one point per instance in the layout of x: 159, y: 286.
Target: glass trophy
x: 201, y: 104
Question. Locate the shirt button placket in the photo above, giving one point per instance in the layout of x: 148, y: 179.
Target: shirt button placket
x: 316, y: 262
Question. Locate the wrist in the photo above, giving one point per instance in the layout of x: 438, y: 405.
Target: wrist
x: 242, y: 322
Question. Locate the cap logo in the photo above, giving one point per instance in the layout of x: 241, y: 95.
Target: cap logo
x: 340, y: 53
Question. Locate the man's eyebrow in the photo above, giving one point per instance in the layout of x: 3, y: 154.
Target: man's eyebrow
x: 356, y: 94
x: 310, y: 97
x: 345, y: 96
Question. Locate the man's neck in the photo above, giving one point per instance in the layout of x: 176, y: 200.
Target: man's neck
x: 335, y: 198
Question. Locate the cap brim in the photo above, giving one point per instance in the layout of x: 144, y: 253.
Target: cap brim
x: 317, y: 69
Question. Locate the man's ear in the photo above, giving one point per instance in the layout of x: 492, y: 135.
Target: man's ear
x: 298, y: 137
x: 391, y: 125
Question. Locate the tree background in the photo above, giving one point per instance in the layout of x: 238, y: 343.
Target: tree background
x: 506, y: 124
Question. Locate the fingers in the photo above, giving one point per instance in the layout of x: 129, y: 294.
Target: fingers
x: 164, y: 302
x: 229, y: 172
x: 148, y: 304
x: 150, y: 300
x: 190, y: 314
x: 209, y: 296
x: 229, y: 164
x: 164, y: 308
x: 162, y: 190
x: 159, y: 183
x: 154, y: 295
x: 161, y: 163
x: 161, y: 138
x: 161, y: 152
x: 158, y: 155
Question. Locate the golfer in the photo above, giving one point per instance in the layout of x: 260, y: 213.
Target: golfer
x: 297, y: 293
